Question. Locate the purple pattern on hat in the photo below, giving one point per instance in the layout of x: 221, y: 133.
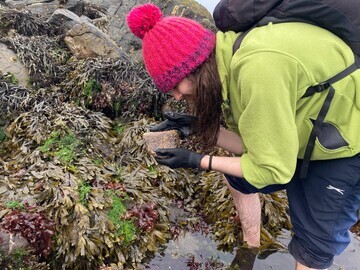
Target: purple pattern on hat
x: 173, y: 77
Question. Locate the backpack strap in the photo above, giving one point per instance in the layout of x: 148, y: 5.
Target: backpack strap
x: 323, y: 111
x: 315, y: 131
x: 239, y: 39
x: 326, y: 84
x: 309, y: 92
x: 264, y: 21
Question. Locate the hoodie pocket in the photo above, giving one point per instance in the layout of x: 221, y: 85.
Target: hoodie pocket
x: 329, y: 137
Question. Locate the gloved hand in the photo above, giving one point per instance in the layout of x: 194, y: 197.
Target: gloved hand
x: 177, y: 121
x: 178, y: 158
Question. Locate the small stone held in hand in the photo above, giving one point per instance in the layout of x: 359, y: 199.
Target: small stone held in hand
x: 161, y: 139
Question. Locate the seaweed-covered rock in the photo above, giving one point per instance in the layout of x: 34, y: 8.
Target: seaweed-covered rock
x: 73, y: 156
x: 93, y: 196
x: 15, y: 99
x: 113, y: 14
x: 44, y: 58
x: 118, y: 87
x: 24, y: 23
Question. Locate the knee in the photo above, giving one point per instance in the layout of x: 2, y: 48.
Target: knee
x: 309, y: 257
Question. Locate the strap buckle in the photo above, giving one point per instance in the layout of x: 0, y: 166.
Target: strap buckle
x: 321, y: 87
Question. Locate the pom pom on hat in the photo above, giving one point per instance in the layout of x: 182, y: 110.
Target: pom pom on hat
x: 143, y: 18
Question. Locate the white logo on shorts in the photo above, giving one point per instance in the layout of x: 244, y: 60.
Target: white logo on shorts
x: 341, y: 191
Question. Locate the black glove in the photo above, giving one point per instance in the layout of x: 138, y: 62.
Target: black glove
x: 178, y: 158
x: 177, y: 121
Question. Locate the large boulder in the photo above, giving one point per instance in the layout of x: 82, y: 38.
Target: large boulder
x: 87, y: 41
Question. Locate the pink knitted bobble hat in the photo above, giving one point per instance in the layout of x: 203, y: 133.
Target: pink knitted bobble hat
x: 173, y: 47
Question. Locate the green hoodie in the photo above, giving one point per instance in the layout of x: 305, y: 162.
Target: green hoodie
x: 263, y: 83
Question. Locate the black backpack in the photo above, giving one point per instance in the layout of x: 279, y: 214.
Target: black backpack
x: 341, y: 17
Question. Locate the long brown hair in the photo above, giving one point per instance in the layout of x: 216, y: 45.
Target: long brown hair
x: 207, y: 101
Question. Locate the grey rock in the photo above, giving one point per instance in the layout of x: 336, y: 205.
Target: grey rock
x: 76, y: 6
x: 104, y: 4
x: 66, y: 19
x: 15, y: 3
x: 9, y: 63
x: 11, y: 242
x: 86, y: 41
x: 45, y: 8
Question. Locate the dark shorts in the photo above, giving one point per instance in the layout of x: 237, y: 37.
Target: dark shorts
x: 323, y: 207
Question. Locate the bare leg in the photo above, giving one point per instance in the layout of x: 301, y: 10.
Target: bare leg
x: 299, y: 266
x: 249, y: 210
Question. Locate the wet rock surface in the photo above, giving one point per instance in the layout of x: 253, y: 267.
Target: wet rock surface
x: 9, y: 63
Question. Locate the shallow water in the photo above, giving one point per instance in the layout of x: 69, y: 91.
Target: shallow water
x: 195, y: 247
